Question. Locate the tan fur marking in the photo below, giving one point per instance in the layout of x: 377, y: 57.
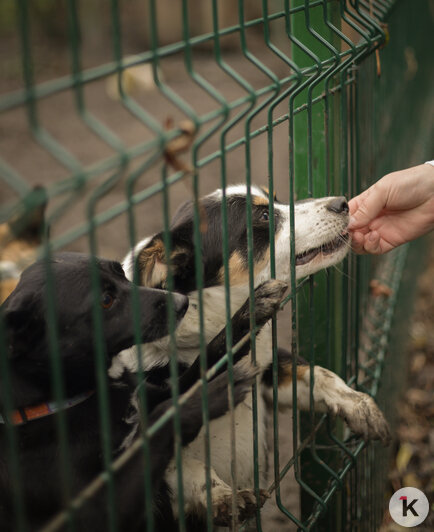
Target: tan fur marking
x: 238, y: 271
x: 285, y: 374
x: 259, y: 200
x: 238, y: 268
x: 266, y: 190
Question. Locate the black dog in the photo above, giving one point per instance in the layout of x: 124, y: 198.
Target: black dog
x: 27, y: 339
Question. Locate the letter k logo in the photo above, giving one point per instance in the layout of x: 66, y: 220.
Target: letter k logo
x: 408, y: 507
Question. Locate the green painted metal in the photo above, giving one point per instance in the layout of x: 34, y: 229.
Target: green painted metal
x: 346, y: 128
x: 311, y: 130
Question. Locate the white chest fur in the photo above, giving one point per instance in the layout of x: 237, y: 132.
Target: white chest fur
x: 188, y: 344
x: 221, y: 436
x: 220, y: 429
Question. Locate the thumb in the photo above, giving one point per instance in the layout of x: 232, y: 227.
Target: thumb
x: 366, y: 207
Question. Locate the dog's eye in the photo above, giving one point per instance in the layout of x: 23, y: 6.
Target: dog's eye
x: 107, y: 300
x: 265, y: 216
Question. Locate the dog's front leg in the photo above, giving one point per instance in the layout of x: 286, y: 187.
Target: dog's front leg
x: 195, y: 495
x: 268, y: 296
x: 330, y: 395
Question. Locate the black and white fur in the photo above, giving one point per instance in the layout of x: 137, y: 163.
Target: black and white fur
x: 321, y: 240
x: 26, y: 334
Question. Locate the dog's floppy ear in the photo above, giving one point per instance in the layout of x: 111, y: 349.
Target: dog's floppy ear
x: 152, y: 263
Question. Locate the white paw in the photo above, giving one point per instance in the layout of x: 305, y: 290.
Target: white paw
x: 245, y: 501
x: 358, y: 409
x: 365, y: 418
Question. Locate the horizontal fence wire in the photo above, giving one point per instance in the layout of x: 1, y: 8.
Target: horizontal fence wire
x: 80, y: 177
x: 280, y: 81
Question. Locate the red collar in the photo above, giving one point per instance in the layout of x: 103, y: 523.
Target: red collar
x: 30, y: 413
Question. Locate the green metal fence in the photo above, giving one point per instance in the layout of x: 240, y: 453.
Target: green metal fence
x: 122, y: 110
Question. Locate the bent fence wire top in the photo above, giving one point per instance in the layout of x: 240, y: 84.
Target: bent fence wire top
x: 115, y: 113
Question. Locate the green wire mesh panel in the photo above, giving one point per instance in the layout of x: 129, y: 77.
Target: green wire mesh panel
x: 113, y: 113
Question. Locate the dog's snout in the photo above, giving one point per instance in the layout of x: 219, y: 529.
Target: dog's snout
x: 180, y: 304
x: 338, y: 205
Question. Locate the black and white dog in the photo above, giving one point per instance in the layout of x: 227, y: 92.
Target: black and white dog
x: 321, y: 240
x: 27, y: 339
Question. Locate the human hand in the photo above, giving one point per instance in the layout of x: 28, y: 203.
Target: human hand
x: 396, y: 209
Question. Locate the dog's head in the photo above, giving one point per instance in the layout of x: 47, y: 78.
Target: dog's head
x: 75, y: 312
x: 321, y: 240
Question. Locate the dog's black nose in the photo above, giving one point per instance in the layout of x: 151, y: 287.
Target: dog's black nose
x: 180, y: 304
x: 338, y: 205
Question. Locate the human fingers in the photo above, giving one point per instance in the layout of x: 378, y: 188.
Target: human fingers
x: 372, y: 243
x: 358, y: 242
x: 353, y: 203
x: 365, y: 207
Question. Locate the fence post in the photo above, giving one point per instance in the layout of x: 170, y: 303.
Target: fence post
x: 316, y: 146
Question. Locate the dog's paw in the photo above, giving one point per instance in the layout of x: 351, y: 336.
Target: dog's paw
x: 246, y: 506
x: 364, y: 417
x: 358, y: 409
x: 268, y: 296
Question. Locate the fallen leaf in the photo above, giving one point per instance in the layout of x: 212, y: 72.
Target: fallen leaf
x: 379, y: 289
x: 403, y: 457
